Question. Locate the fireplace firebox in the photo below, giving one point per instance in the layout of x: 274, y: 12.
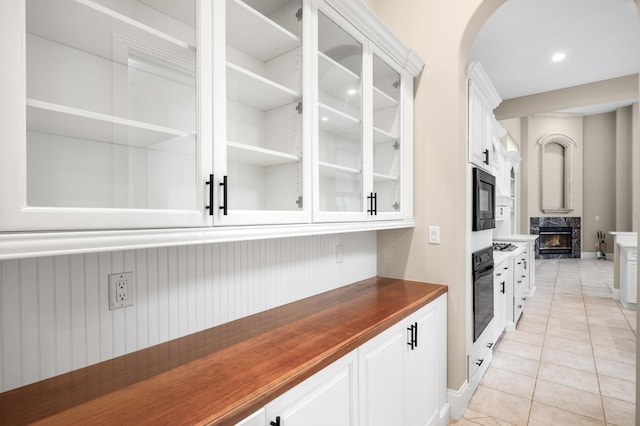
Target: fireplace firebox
x: 555, y: 240
x: 559, y: 236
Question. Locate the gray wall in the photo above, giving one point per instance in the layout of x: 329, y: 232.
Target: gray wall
x: 599, y: 179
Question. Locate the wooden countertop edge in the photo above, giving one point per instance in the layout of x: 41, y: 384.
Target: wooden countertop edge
x: 159, y: 370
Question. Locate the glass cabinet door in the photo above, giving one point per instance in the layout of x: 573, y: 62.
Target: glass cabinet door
x: 340, y: 137
x: 112, y: 107
x: 264, y: 140
x: 387, y: 146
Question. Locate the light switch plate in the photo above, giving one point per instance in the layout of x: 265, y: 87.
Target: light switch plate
x: 434, y: 235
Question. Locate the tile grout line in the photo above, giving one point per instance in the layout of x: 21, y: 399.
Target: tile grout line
x: 544, y: 337
x: 595, y: 364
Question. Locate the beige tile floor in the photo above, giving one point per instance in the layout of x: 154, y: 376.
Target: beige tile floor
x: 571, y: 360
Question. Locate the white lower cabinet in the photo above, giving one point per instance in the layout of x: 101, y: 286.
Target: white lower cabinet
x: 501, y: 282
x: 396, y: 378
x: 481, y: 356
x: 402, y: 371
x: 256, y: 419
x: 629, y: 277
x: 326, y: 398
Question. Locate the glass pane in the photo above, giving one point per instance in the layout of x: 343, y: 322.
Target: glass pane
x: 340, y: 115
x: 264, y: 105
x: 111, y: 104
x: 387, y: 148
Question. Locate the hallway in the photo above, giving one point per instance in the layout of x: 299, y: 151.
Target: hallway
x: 571, y: 360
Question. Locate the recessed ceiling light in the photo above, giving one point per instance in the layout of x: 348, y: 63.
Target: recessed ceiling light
x: 325, y: 118
x: 351, y: 91
x: 558, y: 57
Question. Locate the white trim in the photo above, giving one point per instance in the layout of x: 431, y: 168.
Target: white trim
x: 592, y: 255
x: 615, y: 294
x: 458, y: 400
x: 481, y: 79
x: 444, y: 415
x: 22, y: 245
x: 362, y: 17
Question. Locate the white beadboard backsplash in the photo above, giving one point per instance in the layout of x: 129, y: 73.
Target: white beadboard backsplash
x: 55, y: 314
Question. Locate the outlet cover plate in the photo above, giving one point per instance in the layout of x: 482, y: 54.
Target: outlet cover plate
x: 120, y: 290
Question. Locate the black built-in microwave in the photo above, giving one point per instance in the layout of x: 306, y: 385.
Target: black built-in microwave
x: 484, y: 200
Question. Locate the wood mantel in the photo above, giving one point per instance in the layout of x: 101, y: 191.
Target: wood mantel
x: 223, y: 374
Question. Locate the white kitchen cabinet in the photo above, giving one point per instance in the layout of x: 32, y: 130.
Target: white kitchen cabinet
x: 256, y: 419
x: 264, y: 178
x: 327, y: 398
x: 102, y: 113
x: 628, y: 276
x: 398, y: 377
x: 502, y: 281
x: 401, y: 371
x: 364, y: 114
x: 483, y: 99
x: 528, y: 257
x: 480, y: 357
x: 154, y: 116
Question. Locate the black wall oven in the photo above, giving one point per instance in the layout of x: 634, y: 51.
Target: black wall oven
x: 482, y: 262
x: 484, y: 203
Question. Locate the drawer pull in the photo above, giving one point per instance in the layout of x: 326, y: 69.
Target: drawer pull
x: 490, y: 345
x: 479, y: 362
x: 276, y: 423
x: 519, y: 306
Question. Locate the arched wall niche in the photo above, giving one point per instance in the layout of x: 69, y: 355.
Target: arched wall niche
x: 556, y: 194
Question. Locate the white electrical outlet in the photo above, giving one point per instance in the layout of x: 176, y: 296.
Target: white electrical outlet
x: 120, y: 290
x: 339, y: 253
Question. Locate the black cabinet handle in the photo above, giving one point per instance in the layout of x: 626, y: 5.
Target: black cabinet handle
x: 413, y: 337
x: 370, y: 203
x: 479, y: 362
x: 502, y: 287
x: 276, y: 423
x: 375, y: 203
x: 519, y: 306
x: 210, y: 206
x: 486, y: 157
x: 499, y: 274
x: 224, y: 185
x: 490, y: 345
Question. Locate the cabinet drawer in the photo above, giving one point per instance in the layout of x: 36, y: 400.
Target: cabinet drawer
x: 481, y: 352
x: 518, y: 303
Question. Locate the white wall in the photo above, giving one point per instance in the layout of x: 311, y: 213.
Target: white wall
x: 54, y: 314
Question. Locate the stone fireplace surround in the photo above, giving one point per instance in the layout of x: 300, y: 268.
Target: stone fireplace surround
x: 573, y: 222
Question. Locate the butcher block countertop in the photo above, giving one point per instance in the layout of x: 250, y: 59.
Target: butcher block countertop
x: 225, y: 373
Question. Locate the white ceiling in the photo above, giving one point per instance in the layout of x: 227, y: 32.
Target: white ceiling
x: 601, y: 40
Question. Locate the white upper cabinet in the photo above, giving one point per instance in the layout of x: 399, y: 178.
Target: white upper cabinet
x: 340, y: 138
x: 101, y: 113
x: 364, y: 116
x: 483, y: 99
x: 155, y: 114
x: 264, y: 177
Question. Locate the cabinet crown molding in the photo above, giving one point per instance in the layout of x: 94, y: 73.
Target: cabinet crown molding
x: 358, y: 13
x: 481, y: 79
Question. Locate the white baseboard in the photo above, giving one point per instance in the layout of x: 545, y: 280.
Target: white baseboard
x: 615, y: 294
x: 459, y: 400
x: 444, y: 415
x: 592, y: 255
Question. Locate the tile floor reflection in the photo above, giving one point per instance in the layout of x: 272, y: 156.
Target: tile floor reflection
x: 571, y: 360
